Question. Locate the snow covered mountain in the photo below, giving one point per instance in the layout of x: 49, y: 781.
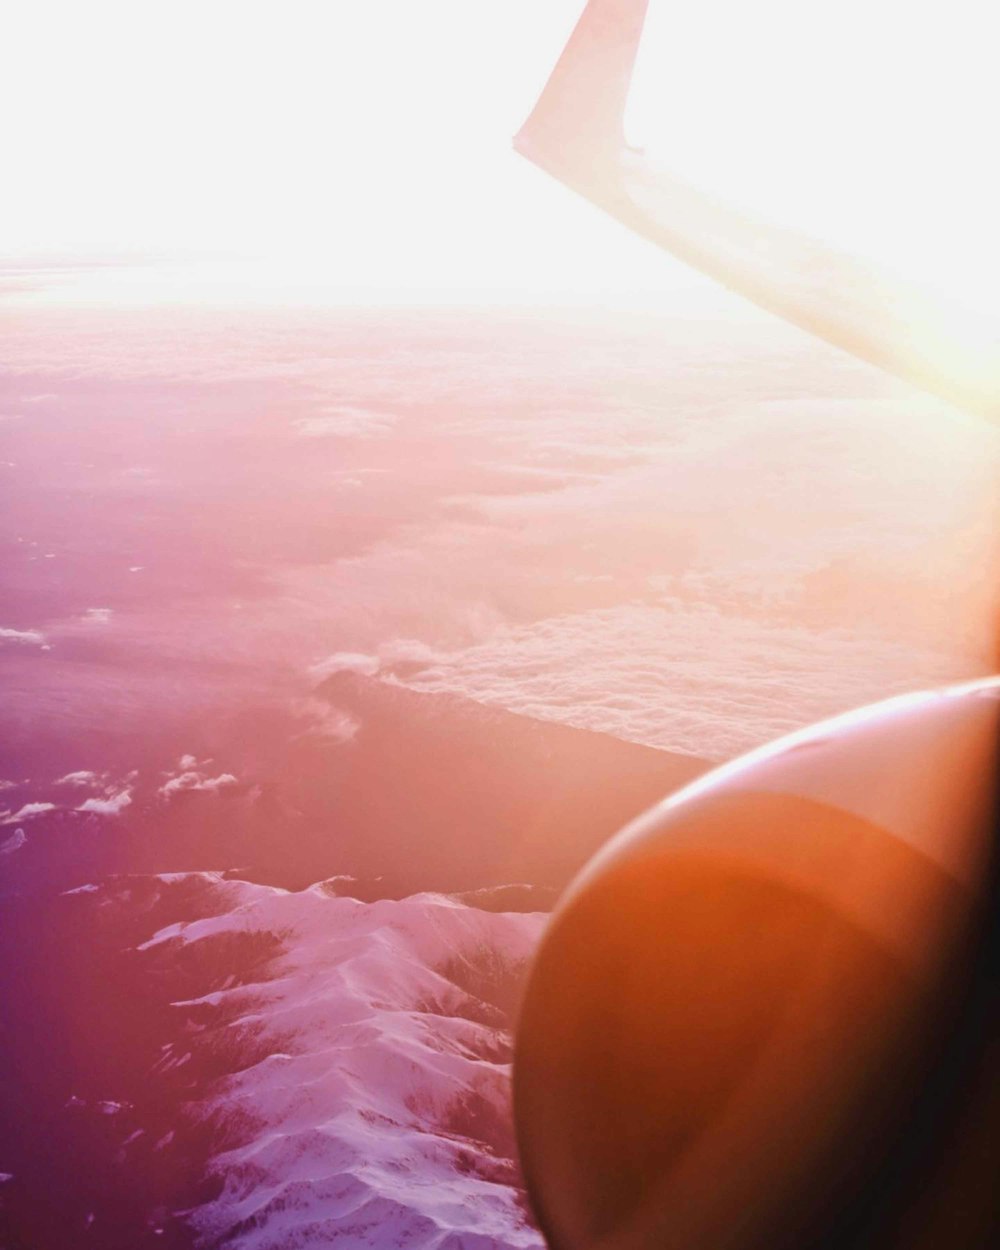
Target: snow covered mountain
x: 308, y: 1067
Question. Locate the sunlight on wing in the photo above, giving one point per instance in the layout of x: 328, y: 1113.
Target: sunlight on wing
x: 869, y: 124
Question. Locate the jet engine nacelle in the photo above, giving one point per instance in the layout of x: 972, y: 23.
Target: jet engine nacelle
x: 761, y: 1017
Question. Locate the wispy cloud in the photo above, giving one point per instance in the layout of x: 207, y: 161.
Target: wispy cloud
x: 14, y: 843
x: 26, y: 637
x: 194, y: 780
x: 345, y: 422
x: 345, y: 662
x: 82, y: 777
x: 323, y: 720
x: 28, y: 812
x: 97, y: 616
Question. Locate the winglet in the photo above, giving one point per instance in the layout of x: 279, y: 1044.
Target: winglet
x: 577, y: 126
x: 576, y: 134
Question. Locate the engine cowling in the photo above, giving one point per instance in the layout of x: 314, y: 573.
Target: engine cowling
x: 757, y: 1017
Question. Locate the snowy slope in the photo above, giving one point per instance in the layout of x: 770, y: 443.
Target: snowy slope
x: 371, y: 1103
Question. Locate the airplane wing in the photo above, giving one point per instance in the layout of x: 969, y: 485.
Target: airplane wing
x: 576, y: 133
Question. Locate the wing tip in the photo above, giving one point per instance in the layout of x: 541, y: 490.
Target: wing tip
x: 579, y: 116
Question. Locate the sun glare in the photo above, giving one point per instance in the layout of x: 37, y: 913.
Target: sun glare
x: 357, y: 152
x: 869, y: 124
x: 301, y: 150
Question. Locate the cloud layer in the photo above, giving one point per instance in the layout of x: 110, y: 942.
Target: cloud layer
x: 681, y: 533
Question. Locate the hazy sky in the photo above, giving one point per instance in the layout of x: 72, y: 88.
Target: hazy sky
x: 345, y: 148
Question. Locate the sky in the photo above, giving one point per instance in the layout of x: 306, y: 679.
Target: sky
x: 338, y: 150
x: 348, y: 147
x: 867, y: 122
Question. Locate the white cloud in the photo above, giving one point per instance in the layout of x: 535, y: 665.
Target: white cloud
x: 27, y: 812
x: 192, y: 780
x: 345, y: 662
x: 14, y: 843
x: 28, y: 637
x: 685, y: 678
x: 113, y: 805
x: 97, y: 616
x: 82, y: 777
